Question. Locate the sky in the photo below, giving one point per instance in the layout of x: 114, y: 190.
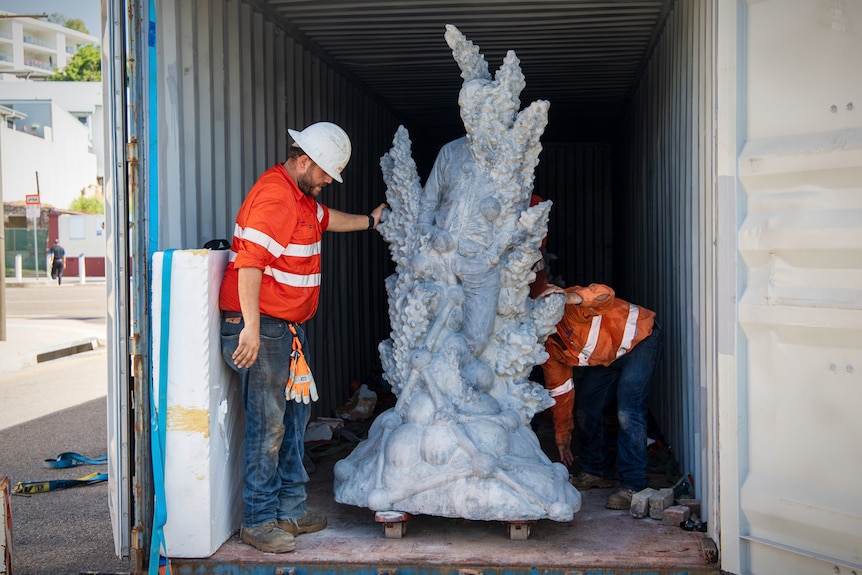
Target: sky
x: 89, y: 11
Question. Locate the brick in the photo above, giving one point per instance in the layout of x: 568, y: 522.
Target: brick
x: 675, y: 514
x: 660, y: 501
x: 640, y: 502
x: 692, y: 504
x: 709, y: 550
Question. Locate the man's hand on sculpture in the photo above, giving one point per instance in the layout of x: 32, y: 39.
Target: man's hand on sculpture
x: 552, y: 288
x: 377, y: 213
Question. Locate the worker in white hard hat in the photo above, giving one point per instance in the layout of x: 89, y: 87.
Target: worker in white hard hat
x: 271, y: 286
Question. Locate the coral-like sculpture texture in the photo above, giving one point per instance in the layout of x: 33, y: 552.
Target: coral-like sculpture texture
x: 465, y: 334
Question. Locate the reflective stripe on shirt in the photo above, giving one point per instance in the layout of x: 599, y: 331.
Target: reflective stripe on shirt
x: 630, y: 331
x: 302, y: 251
x: 566, y: 387
x: 293, y: 280
x: 257, y: 237
x: 273, y: 247
x: 592, y: 338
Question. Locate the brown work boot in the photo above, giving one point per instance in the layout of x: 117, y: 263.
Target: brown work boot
x: 268, y: 537
x: 622, y: 499
x: 584, y: 481
x: 311, y: 522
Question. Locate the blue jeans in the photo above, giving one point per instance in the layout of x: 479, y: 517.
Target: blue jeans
x: 629, y: 379
x: 275, y: 428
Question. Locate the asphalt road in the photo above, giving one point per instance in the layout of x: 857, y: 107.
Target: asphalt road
x: 86, y: 302
x: 65, y: 531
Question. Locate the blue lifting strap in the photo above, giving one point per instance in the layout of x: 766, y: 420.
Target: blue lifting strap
x: 72, y: 459
x: 158, y: 420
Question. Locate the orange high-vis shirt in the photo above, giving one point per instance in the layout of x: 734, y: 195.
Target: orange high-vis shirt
x: 278, y: 230
x: 596, y: 332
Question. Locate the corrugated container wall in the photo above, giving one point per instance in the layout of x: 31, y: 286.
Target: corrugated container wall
x: 663, y: 258
x: 578, y: 179
x: 229, y: 85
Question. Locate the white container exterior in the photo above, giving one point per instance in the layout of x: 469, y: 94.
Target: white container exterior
x: 789, y: 382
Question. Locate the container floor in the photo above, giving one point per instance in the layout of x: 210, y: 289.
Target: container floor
x: 596, y: 541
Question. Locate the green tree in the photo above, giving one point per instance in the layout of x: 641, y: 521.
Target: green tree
x: 88, y: 205
x: 72, y: 23
x: 85, y: 66
x: 77, y: 25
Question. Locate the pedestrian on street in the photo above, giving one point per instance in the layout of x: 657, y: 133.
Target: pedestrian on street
x: 58, y: 261
x: 271, y: 286
x: 616, y: 345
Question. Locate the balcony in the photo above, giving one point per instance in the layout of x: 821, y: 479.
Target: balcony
x: 35, y: 63
x: 38, y: 42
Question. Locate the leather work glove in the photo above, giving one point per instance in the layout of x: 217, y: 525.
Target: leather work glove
x: 300, y: 386
x: 305, y: 392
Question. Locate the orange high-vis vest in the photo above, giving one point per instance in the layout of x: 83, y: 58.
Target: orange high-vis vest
x: 596, y: 332
x: 278, y: 230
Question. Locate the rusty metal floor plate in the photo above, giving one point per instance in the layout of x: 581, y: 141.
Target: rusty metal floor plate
x: 597, y: 541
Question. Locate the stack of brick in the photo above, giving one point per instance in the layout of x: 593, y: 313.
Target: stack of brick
x: 659, y: 504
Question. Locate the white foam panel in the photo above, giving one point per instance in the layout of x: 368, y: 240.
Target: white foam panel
x: 205, y: 416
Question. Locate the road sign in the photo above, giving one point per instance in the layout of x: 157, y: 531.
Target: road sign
x: 33, y: 211
x: 33, y: 200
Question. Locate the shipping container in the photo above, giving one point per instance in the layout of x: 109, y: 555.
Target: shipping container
x: 704, y: 158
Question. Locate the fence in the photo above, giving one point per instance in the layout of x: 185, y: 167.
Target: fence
x: 20, y: 241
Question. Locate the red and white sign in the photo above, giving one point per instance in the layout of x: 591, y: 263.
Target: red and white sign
x: 33, y: 200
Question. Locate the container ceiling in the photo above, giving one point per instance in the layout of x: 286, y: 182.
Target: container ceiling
x: 584, y: 57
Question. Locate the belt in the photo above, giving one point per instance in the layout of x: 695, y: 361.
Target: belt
x: 232, y: 316
x: 236, y: 315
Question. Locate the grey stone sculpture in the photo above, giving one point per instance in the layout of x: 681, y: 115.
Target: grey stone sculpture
x: 465, y: 334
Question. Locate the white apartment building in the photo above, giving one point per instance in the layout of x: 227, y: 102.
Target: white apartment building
x: 35, y: 49
x: 45, y: 149
x: 51, y: 137
x: 82, y: 100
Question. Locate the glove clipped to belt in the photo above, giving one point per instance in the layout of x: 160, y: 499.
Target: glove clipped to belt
x: 300, y: 385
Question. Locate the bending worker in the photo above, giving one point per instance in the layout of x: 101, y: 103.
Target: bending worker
x: 271, y: 286
x: 616, y: 345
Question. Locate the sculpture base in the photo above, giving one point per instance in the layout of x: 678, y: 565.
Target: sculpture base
x: 469, y: 467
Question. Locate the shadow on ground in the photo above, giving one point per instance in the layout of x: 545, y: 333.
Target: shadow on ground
x: 65, y: 532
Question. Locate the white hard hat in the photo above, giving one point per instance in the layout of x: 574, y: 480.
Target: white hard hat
x: 326, y: 144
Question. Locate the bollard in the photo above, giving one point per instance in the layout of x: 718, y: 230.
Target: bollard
x: 19, y: 273
x: 82, y: 272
